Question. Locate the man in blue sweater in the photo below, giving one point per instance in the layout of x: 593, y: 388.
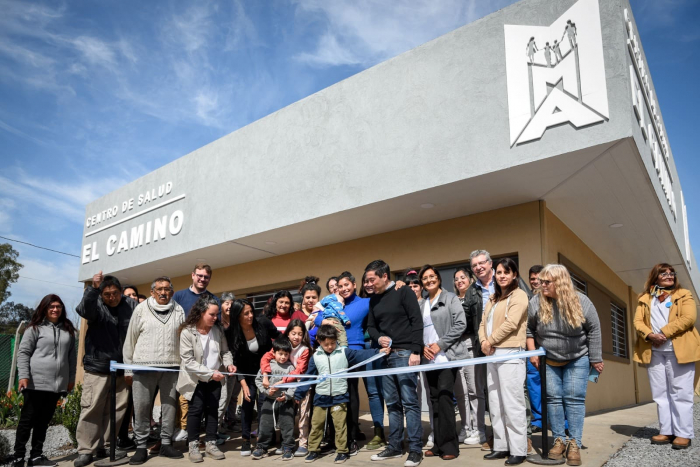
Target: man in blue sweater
x: 200, y: 280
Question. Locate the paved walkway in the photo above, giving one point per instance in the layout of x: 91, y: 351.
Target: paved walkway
x: 604, y: 434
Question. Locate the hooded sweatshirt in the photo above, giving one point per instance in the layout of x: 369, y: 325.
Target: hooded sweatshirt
x: 47, y: 357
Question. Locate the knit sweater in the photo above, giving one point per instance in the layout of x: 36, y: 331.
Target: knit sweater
x: 396, y: 314
x: 561, y: 342
x: 152, y: 338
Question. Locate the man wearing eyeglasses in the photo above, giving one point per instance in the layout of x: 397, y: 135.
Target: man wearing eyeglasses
x: 201, y: 275
x: 108, y: 313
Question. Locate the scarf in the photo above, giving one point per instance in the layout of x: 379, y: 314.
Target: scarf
x: 155, y: 306
x: 660, y: 292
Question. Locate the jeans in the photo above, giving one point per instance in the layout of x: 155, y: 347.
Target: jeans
x: 36, y: 415
x: 566, y: 397
x: 204, y: 402
x: 373, y: 385
x: 248, y: 406
x: 534, y: 388
x: 400, y: 397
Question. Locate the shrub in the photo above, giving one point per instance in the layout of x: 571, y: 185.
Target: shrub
x: 10, y: 408
x: 71, y: 412
x: 5, y: 448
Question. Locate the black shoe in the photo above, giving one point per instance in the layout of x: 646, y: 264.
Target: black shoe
x: 496, y: 455
x: 166, y: 450
x: 353, y: 449
x: 101, y: 453
x: 327, y: 449
x: 414, y: 459
x: 340, y: 458
x: 536, y: 429
x: 17, y: 462
x: 139, y: 457
x: 83, y: 460
x: 41, y: 461
x: 387, y: 453
x: 313, y: 456
x: 126, y: 444
x: 245, y: 449
x: 515, y: 460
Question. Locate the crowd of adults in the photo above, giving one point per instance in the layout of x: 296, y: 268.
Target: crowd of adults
x: 194, y: 338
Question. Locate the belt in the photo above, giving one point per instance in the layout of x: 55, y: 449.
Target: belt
x: 393, y: 349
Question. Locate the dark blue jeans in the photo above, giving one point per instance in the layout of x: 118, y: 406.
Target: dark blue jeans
x: 248, y: 407
x: 401, y: 398
x: 374, y: 392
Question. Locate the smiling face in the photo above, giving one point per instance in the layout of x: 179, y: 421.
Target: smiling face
x: 377, y: 284
x: 209, y: 317
x: 503, y: 277
x: 162, y: 292
x: 200, y: 280
x: 462, y: 282
x: 548, y: 287
x: 333, y: 286
x: 246, y: 317
x: 281, y: 356
x: 310, y: 299
x: 431, y: 281
x: 483, y: 268
x: 283, y: 306
x: 346, y: 288
x: 131, y: 293
x: 534, y: 281
x: 54, y: 312
x: 417, y: 289
x: 369, y: 287
x: 226, y: 308
x: 666, y: 278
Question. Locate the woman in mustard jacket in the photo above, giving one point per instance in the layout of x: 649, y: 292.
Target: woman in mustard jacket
x: 670, y: 345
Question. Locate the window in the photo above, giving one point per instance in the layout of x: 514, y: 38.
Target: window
x: 260, y: 299
x: 579, y: 283
x: 619, y: 336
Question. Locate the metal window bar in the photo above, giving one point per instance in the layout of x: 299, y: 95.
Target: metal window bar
x: 619, y: 335
x: 579, y: 284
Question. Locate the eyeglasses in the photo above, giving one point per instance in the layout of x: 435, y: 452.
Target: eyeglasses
x: 667, y: 275
x: 203, y: 277
x: 483, y: 263
x: 545, y: 282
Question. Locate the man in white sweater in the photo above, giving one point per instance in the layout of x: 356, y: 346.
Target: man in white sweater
x: 152, y: 339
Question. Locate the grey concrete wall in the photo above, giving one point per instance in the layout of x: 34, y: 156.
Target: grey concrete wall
x: 431, y: 116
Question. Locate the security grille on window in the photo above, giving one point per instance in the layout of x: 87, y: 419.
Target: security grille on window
x: 260, y: 299
x: 619, y: 336
x: 579, y: 283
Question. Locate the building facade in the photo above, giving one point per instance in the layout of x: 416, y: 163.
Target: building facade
x: 533, y: 133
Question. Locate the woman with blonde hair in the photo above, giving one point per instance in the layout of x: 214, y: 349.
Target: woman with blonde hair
x: 670, y: 345
x: 566, y: 324
x: 502, y: 332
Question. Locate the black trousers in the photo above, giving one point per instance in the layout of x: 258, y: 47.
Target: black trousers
x: 204, y: 402
x: 285, y: 420
x: 36, y: 415
x: 353, y: 418
x: 128, y: 415
x: 441, y: 383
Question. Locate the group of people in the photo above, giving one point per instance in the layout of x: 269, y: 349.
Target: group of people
x: 204, y: 350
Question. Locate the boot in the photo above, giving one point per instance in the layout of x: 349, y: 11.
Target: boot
x: 378, y: 441
x: 557, y: 451
x: 168, y: 451
x: 573, y: 454
x: 213, y: 451
x: 195, y: 455
x: 139, y: 457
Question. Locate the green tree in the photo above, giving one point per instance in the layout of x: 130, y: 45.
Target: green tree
x: 9, y: 269
x: 11, y: 314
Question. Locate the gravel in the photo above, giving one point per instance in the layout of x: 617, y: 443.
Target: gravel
x: 639, y: 451
x: 57, y: 442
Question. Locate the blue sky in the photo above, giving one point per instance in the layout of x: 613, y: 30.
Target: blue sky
x: 96, y: 94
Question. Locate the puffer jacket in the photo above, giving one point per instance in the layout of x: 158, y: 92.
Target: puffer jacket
x: 192, y: 367
x: 47, y: 357
x: 106, y: 330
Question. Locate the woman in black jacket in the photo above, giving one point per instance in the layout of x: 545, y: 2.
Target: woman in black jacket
x: 249, y: 338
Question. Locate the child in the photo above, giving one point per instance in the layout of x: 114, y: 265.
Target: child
x: 299, y: 337
x: 276, y: 398
x: 331, y: 308
x: 331, y: 393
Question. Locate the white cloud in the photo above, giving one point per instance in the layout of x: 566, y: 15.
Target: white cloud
x: 366, y: 32
x: 95, y: 51
x: 20, y: 133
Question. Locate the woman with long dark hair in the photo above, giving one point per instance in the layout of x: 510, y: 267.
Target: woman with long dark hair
x: 46, y: 365
x: 311, y: 293
x: 281, y: 309
x: 204, y: 354
x: 502, y: 332
x: 670, y: 345
x: 249, y: 338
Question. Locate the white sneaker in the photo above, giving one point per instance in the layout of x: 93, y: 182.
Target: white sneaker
x: 429, y: 444
x: 475, y: 438
x: 181, y: 435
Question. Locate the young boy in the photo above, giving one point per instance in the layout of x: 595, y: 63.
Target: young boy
x: 277, y: 399
x: 331, y: 393
x: 331, y: 308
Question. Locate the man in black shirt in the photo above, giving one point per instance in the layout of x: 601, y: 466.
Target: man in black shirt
x: 395, y: 321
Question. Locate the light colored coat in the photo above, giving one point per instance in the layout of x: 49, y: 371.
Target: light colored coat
x: 450, y: 323
x: 680, y: 328
x: 47, y: 357
x: 511, y: 331
x: 192, y: 367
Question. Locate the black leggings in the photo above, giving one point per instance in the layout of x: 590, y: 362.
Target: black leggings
x: 36, y: 415
x: 204, y: 402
